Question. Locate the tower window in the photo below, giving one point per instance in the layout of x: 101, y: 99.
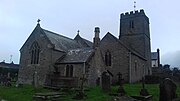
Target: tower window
x: 108, y: 58
x: 131, y: 24
x: 69, y: 71
x: 35, y: 50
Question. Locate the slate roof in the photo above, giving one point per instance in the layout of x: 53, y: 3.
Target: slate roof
x: 61, y: 43
x: 9, y: 65
x: 154, y: 55
x: 80, y: 55
x: 83, y: 42
x: 109, y: 37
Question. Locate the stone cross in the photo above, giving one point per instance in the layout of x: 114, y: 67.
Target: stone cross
x: 134, y: 5
x: 78, y: 31
x: 38, y: 21
x: 143, y: 91
x: 119, y: 78
x: 120, y: 90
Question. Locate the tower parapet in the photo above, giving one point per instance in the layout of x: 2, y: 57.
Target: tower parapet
x: 134, y: 14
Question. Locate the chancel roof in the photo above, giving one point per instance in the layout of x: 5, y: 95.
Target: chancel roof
x: 80, y: 55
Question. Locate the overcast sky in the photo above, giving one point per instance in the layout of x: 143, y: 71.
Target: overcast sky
x: 18, y: 18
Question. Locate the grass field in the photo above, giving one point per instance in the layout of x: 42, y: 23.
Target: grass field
x: 94, y: 94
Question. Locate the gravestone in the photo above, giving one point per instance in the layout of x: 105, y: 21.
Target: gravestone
x: 167, y: 90
x: 98, y: 81
x: 1, y: 79
x: 5, y: 80
x: 120, y: 90
x: 35, y: 80
x: 8, y: 83
x: 106, y: 85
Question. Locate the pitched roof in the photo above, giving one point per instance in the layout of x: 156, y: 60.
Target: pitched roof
x: 109, y: 37
x: 60, y: 42
x: 83, y: 42
x: 9, y: 65
x: 154, y: 55
x: 80, y: 55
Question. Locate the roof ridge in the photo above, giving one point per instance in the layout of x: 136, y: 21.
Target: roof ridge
x: 57, y: 34
x: 82, y: 38
x: 86, y: 39
x: 112, y: 35
x: 108, y: 33
x: 131, y: 50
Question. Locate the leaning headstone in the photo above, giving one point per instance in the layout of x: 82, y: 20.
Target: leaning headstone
x: 106, y: 85
x: 167, y: 90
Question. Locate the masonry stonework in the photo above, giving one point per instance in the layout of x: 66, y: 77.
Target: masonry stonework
x: 129, y: 54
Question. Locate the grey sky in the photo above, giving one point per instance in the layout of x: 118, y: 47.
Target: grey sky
x: 19, y: 17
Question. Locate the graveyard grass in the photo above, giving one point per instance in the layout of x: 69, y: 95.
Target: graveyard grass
x: 95, y: 94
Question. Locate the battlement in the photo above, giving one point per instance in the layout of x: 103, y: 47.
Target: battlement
x: 133, y: 13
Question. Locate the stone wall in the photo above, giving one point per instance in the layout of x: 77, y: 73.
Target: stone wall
x: 47, y: 58
x: 119, y: 59
x: 124, y: 61
x: 137, y: 38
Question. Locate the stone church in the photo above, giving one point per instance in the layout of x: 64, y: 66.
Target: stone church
x: 59, y: 60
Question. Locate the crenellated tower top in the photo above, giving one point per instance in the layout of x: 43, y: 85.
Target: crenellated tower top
x: 133, y: 14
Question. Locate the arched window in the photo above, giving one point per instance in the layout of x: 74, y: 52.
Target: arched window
x: 35, y: 50
x: 108, y: 58
x: 69, y: 71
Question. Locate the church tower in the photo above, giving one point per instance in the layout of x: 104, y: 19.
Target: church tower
x: 134, y: 33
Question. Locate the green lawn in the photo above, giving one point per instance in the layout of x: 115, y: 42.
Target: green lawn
x: 19, y: 94
x: 94, y: 94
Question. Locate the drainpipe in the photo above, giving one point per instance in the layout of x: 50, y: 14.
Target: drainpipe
x: 84, y: 70
x: 130, y: 67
